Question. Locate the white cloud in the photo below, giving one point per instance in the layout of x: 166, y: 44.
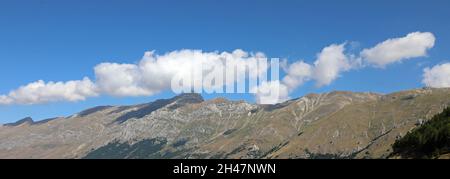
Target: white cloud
x: 329, y: 64
x: 271, y: 92
x: 437, y: 76
x: 4, y: 99
x: 121, y: 80
x: 297, y: 73
x: 332, y: 60
x: 394, y: 50
x: 155, y: 72
x: 41, y: 92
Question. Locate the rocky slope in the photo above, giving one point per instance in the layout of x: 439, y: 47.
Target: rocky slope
x: 330, y: 125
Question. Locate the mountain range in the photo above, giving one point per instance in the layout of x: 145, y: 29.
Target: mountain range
x: 338, y: 124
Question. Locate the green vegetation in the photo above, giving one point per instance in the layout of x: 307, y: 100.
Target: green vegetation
x: 427, y: 141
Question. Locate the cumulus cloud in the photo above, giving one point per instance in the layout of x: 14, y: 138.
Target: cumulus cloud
x: 41, y: 92
x: 297, y: 73
x: 154, y: 73
x: 394, y: 50
x: 437, y: 76
x: 121, y: 80
x: 329, y: 64
x: 271, y: 92
x: 332, y: 61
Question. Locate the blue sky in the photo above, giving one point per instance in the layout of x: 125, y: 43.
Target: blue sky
x: 63, y: 40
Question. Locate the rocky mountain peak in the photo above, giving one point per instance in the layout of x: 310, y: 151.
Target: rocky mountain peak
x: 27, y: 120
x: 187, y: 98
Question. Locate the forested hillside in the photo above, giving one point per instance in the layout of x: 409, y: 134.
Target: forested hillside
x: 430, y: 140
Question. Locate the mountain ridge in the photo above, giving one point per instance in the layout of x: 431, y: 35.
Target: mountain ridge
x: 101, y: 107
x: 334, y: 124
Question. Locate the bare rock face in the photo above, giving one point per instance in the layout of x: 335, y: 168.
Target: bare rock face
x: 330, y: 125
